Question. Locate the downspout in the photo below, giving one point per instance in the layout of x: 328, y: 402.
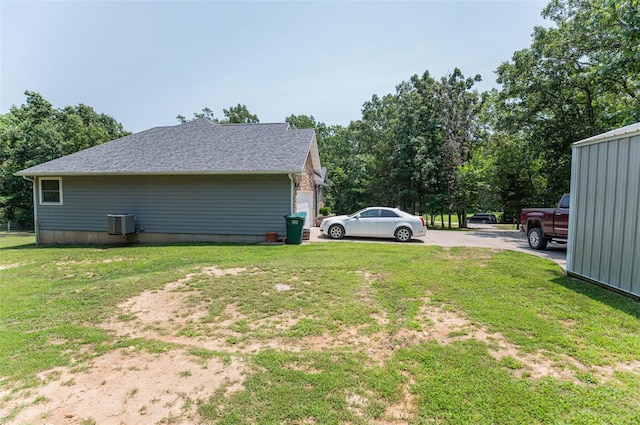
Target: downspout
x: 292, y: 193
x: 35, y: 208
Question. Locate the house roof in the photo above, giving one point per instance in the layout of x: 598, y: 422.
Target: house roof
x: 195, y: 147
x: 627, y: 131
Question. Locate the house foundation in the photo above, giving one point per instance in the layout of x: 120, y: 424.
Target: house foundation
x: 48, y: 237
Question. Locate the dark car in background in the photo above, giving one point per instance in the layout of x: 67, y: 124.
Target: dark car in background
x: 484, y: 218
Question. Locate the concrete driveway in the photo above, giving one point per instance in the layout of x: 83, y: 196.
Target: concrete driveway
x: 483, y: 236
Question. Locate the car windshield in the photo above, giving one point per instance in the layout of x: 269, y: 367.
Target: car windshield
x: 356, y: 213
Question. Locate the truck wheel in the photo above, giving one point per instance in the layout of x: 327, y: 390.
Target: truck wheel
x: 536, y: 240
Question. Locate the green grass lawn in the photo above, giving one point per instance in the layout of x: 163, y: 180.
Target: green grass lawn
x: 325, y: 333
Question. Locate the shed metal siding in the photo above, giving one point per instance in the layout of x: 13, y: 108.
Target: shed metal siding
x: 604, y: 240
x: 222, y: 205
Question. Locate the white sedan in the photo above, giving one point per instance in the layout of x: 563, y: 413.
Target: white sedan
x: 380, y: 222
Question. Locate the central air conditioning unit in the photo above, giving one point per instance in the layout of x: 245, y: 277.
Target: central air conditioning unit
x: 121, y: 224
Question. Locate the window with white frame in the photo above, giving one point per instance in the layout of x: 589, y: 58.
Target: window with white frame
x: 51, y: 191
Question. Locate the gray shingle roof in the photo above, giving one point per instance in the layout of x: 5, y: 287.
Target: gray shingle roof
x: 195, y: 147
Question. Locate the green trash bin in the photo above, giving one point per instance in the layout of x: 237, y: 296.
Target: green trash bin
x: 295, y: 223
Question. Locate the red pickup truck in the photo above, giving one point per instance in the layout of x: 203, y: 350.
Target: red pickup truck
x: 543, y: 225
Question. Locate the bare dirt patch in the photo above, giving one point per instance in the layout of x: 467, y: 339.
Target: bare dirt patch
x: 369, y: 277
x: 280, y: 287
x: 161, y: 315
x: 402, y: 411
x: 105, y: 261
x: 10, y: 266
x: 449, y: 325
x: 217, y: 272
x: 278, y: 322
x: 128, y: 387
x: 607, y: 372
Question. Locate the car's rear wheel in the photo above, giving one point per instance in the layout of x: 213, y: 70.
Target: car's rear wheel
x: 336, y: 231
x: 536, y: 239
x: 403, y: 234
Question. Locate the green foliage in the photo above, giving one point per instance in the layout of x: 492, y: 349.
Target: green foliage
x: 576, y: 80
x: 345, y: 168
x: 36, y: 132
x: 438, y: 147
x: 301, y: 121
x: 607, y: 34
x: 234, y: 115
x: 206, y: 113
x: 407, y: 148
x: 238, y: 115
x: 415, y: 143
x: 339, y: 156
x: 514, y: 174
x: 458, y: 107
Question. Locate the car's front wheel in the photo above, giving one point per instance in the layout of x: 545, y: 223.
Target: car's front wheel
x: 536, y: 239
x: 336, y: 231
x: 403, y: 234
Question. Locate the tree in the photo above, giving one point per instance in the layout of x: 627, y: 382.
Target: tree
x: 458, y: 110
x: 345, y: 169
x: 301, y: 121
x: 206, y: 113
x: 235, y: 114
x: 35, y: 133
x: 239, y: 114
x: 607, y: 34
x: 375, y: 148
x: 415, y: 134
x: 437, y: 146
x: 395, y: 154
x: 467, y: 182
x: 576, y: 80
x: 514, y: 176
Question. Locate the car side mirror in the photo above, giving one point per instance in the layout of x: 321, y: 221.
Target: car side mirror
x: 357, y: 216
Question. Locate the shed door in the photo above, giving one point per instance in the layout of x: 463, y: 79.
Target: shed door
x: 304, y: 202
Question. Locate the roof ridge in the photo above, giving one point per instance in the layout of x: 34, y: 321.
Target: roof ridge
x: 252, y: 123
x: 197, y: 121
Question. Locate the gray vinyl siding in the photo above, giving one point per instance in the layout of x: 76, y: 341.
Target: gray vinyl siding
x: 604, y: 236
x: 221, y: 205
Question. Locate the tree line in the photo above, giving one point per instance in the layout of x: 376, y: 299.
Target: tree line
x: 37, y: 132
x: 438, y: 147
x: 435, y: 146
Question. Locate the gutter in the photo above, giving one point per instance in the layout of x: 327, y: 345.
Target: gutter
x: 36, y: 173
x: 35, y: 208
x: 292, y: 194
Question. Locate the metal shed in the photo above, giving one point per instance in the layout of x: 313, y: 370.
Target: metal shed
x: 604, y: 236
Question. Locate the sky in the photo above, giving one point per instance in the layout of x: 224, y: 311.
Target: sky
x: 145, y: 62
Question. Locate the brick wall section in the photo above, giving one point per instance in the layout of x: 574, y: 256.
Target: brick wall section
x: 306, y: 180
